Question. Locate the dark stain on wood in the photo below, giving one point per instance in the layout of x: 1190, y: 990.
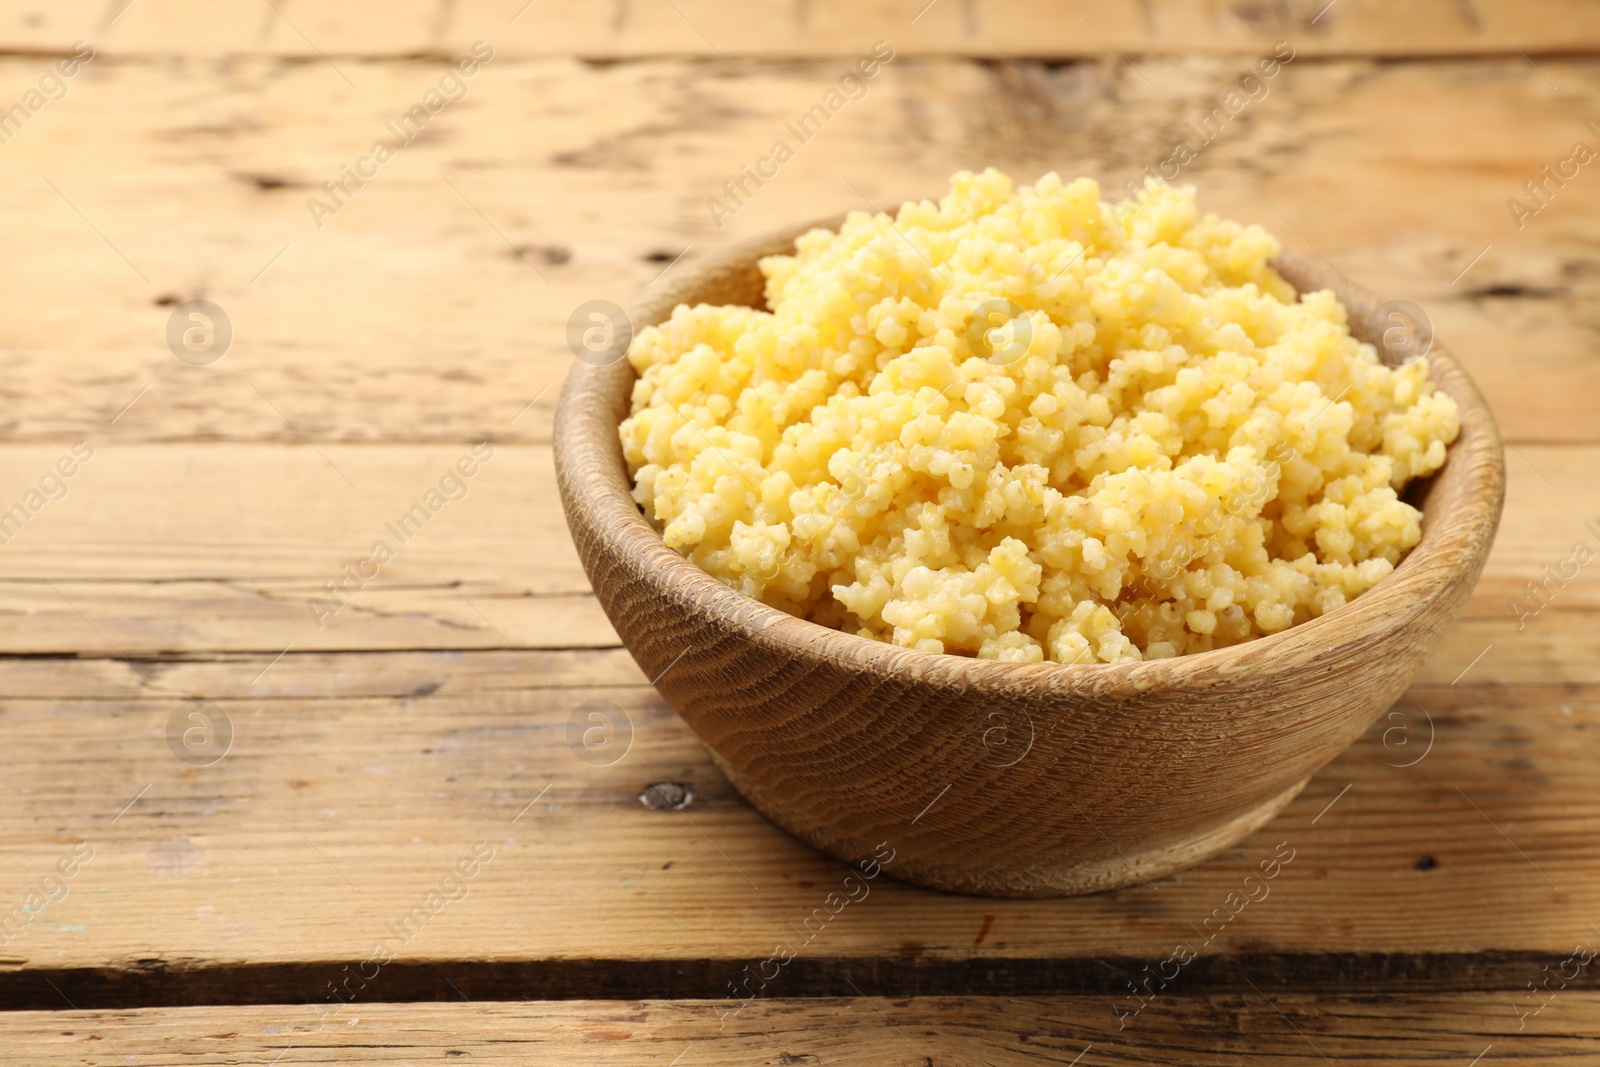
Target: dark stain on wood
x: 268, y: 182
x: 1517, y: 292
x: 549, y: 255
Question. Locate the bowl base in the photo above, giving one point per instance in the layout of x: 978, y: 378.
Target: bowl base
x: 1058, y: 880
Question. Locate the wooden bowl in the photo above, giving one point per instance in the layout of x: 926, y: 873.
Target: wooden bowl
x: 998, y: 778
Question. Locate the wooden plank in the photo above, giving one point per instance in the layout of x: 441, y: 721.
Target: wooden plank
x: 331, y: 675
x: 801, y: 27
x: 164, y: 548
x: 1554, y: 651
x: 1280, y: 1030
x: 219, y: 512
x: 433, y: 306
x: 1449, y: 849
x: 140, y: 621
x: 171, y: 549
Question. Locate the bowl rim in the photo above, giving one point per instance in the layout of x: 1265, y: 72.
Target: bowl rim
x: 596, y: 491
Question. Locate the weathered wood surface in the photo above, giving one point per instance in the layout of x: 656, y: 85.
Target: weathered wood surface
x: 195, y: 547
x: 408, y: 316
x: 427, y: 714
x: 707, y: 28
x: 1245, y: 1029
x: 228, y: 881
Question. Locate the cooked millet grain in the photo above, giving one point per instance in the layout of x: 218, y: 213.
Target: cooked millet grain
x: 1173, y: 454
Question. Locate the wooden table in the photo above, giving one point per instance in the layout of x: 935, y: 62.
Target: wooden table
x: 305, y: 896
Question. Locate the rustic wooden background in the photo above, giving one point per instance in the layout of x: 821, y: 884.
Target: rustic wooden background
x: 1442, y: 866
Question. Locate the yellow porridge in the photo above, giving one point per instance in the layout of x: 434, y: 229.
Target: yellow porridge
x: 1027, y: 424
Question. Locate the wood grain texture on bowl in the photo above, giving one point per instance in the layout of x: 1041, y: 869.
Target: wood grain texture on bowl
x: 998, y: 778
